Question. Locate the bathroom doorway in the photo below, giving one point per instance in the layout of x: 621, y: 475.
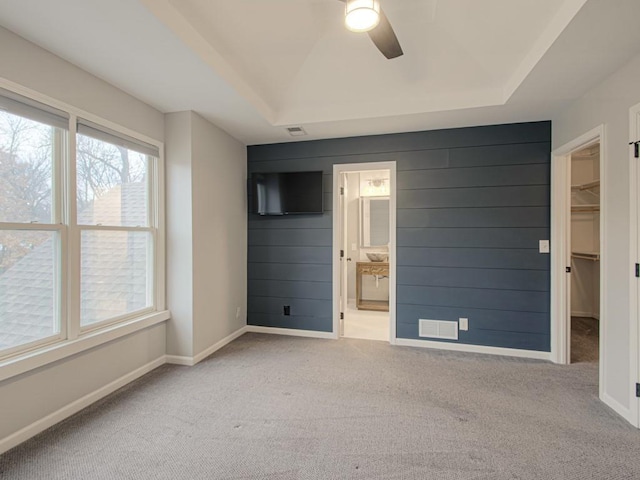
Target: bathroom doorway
x: 365, y: 241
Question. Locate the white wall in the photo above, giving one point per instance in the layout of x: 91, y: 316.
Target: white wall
x: 30, y: 397
x: 219, y: 234
x: 206, y: 234
x: 33, y: 67
x: 609, y: 104
x: 179, y: 233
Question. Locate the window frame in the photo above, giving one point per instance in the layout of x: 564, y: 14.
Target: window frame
x: 76, y: 230
x: 74, y: 338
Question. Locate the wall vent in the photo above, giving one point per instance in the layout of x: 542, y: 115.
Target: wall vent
x: 438, y: 329
x: 296, y: 131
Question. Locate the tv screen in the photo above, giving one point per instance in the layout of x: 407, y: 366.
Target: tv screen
x: 292, y: 193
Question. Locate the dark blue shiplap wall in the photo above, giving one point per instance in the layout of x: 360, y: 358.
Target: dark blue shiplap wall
x: 472, y: 205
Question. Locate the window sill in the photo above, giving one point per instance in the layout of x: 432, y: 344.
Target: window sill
x: 43, y: 356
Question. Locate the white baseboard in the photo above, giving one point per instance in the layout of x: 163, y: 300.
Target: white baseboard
x: 290, y: 332
x: 191, y: 361
x: 38, y: 426
x: 179, y: 360
x: 617, y: 407
x: 586, y: 315
x: 461, y: 347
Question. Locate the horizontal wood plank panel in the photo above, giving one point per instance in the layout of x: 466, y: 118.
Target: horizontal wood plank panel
x: 266, y: 254
x: 290, y: 221
x: 472, y: 237
x: 291, y: 237
x: 527, y: 280
x: 299, y: 306
x: 483, y: 319
x: 511, y: 300
x: 295, y: 322
x: 289, y: 289
x: 488, y: 338
x: 502, y: 217
x: 289, y: 271
x: 500, y: 155
x: 494, y: 176
x: 527, y: 196
x: 473, y: 258
x: 427, y: 140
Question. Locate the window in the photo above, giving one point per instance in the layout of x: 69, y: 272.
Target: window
x: 32, y: 145
x: 80, y: 253
x: 116, y: 237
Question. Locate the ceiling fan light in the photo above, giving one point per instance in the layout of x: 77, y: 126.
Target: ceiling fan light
x: 362, y: 15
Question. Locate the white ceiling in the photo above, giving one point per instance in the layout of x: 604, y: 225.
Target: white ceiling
x: 256, y: 66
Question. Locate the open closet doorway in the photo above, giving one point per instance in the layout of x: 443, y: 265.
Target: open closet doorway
x: 364, y: 240
x: 577, y: 240
x: 585, y: 255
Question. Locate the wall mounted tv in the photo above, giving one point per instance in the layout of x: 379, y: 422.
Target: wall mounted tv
x: 291, y: 193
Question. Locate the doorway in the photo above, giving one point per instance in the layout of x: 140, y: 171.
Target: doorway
x: 364, y: 251
x: 577, y: 324
x: 584, y: 234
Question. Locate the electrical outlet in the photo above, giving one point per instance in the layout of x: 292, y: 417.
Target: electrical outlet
x: 287, y: 310
x: 464, y: 324
x: 238, y: 312
x: 544, y: 246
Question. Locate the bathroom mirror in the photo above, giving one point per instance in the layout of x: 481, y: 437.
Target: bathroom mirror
x: 374, y: 221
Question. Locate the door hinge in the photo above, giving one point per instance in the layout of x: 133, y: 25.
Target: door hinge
x: 638, y: 390
x: 341, y: 253
x: 568, y: 269
x: 341, y: 316
x: 341, y: 190
x: 636, y: 149
x: 638, y: 270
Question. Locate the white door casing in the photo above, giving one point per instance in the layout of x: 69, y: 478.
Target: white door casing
x: 338, y: 226
x: 561, y: 249
x: 634, y: 326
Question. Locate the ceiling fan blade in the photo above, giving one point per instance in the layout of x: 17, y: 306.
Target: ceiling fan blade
x: 385, y: 38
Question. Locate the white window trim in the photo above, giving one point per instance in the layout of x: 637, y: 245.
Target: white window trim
x: 74, y: 340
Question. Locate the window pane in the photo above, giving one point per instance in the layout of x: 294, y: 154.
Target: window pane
x: 28, y: 287
x: 115, y: 274
x: 111, y: 183
x: 26, y: 169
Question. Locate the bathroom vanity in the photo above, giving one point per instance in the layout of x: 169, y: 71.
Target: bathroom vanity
x: 379, y: 269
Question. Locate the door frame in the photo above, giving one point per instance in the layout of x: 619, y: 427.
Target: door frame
x: 561, y: 248
x: 634, y: 287
x: 338, y: 170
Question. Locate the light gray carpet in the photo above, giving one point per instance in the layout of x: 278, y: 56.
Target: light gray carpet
x: 268, y: 407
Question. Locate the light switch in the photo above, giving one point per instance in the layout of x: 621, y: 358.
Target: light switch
x: 354, y: 247
x: 544, y: 246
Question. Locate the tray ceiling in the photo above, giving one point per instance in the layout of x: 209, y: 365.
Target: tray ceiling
x: 255, y: 66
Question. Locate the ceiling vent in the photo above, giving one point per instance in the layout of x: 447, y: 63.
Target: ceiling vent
x: 296, y: 131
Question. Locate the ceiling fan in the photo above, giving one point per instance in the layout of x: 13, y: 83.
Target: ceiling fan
x: 367, y: 16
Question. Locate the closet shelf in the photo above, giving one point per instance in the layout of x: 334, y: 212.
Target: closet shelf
x: 586, y: 186
x: 593, y: 256
x: 585, y: 208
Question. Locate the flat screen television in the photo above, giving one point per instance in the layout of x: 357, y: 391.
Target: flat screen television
x: 290, y: 193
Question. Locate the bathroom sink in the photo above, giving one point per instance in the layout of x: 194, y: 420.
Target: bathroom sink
x: 377, y: 257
